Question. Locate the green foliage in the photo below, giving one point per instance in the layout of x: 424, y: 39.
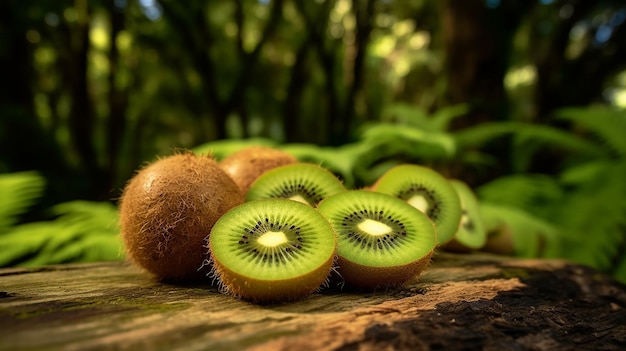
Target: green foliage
x: 575, y: 213
x: 19, y: 191
x: 586, y: 200
x: 222, y: 148
x: 79, y: 231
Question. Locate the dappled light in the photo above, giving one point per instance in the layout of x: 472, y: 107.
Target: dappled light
x: 525, y: 101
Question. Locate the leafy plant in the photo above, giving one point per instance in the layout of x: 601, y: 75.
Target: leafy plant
x: 78, y: 231
x: 586, y: 201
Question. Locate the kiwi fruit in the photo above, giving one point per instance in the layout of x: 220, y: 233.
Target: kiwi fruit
x: 304, y: 182
x: 246, y: 165
x: 471, y: 234
x: 428, y: 191
x: 382, y: 241
x: 272, y: 250
x: 168, y: 208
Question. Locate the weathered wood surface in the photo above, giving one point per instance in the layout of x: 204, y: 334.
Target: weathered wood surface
x: 461, y: 302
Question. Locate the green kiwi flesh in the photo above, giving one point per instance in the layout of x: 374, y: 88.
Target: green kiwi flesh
x: 428, y: 191
x: 471, y: 234
x: 303, y: 182
x: 381, y: 240
x: 272, y: 250
x: 167, y: 209
x: 246, y: 165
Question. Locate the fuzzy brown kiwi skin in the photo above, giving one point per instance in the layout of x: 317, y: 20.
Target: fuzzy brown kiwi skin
x: 168, y: 208
x: 259, y: 292
x: 376, y: 278
x: 246, y: 165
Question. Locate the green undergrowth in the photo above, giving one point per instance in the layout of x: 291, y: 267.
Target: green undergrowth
x: 573, y: 209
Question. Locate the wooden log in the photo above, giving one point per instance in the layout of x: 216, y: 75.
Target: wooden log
x: 461, y: 302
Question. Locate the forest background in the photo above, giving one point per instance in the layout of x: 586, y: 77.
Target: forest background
x: 523, y: 100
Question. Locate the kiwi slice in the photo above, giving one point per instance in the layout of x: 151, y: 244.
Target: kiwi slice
x: 168, y: 208
x: 272, y: 250
x: 304, y: 182
x: 246, y: 165
x: 381, y: 241
x: 428, y: 191
x: 471, y: 234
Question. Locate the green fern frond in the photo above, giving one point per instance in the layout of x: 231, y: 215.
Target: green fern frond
x: 417, y: 117
x: 525, y: 191
x: 608, y: 125
x: 531, y: 139
x: 222, y: 148
x: 528, y: 232
x: 593, y: 214
x: 18, y: 191
x: 481, y: 134
x: 429, y: 144
x: 587, y: 172
x: 337, y: 160
x: 384, y: 145
x: 23, y: 242
x: 70, y: 237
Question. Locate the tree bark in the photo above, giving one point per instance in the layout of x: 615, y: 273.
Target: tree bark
x: 476, y: 42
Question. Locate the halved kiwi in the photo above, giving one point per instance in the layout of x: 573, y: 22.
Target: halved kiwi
x: 246, y: 165
x: 381, y: 240
x: 428, y: 191
x: 304, y: 182
x: 168, y: 208
x: 471, y: 234
x: 272, y: 250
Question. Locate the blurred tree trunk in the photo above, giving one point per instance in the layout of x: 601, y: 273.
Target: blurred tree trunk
x: 118, y: 98
x: 576, y: 80
x: 81, y: 119
x: 292, y: 104
x: 24, y: 143
x: 477, y: 44
x: 364, y: 13
x: 316, y: 18
x: 197, y: 34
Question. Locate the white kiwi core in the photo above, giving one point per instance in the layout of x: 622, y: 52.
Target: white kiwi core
x: 299, y: 198
x: 374, y: 228
x: 272, y: 239
x: 419, y: 202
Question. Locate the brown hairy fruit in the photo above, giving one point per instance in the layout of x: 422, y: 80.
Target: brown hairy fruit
x: 168, y: 208
x: 272, y: 250
x: 382, y: 241
x: 246, y: 165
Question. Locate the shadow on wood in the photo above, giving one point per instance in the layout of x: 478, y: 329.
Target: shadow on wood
x: 460, y: 302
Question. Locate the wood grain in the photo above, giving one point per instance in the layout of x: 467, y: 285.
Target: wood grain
x: 462, y: 301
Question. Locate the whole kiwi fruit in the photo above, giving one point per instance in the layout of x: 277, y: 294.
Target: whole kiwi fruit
x: 428, y: 191
x: 272, y: 250
x: 382, y: 241
x: 246, y: 165
x: 304, y: 182
x: 168, y: 208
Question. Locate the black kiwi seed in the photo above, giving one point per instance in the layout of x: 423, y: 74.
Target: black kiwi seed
x: 303, y: 182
